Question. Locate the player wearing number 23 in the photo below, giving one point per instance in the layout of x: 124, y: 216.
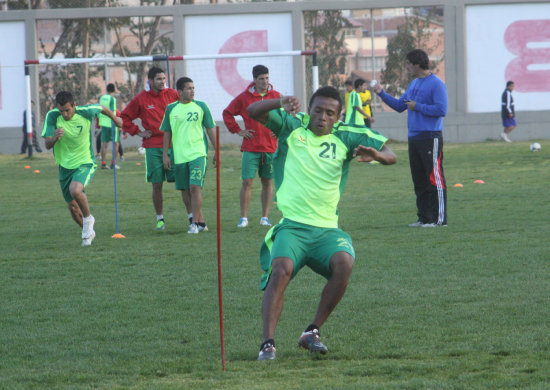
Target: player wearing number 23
x: 184, y: 126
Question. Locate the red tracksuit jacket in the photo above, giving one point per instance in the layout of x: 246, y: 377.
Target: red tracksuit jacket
x: 149, y: 107
x: 263, y: 141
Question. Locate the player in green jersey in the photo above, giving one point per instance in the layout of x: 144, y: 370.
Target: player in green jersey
x: 311, y: 165
x: 108, y: 100
x: 184, y: 124
x: 67, y: 131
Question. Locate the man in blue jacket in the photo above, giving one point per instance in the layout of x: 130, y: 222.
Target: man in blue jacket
x: 426, y: 102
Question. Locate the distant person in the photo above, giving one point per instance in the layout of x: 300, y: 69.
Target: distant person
x: 108, y: 100
x: 67, y: 129
x: 348, y: 84
x: 149, y: 106
x: 311, y: 165
x: 185, y: 124
x: 355, y: 115
x: 258, y: 144
x: 366, y: 105
x: 25, y: 143
x: 508, y: 112
x: 426, y: 102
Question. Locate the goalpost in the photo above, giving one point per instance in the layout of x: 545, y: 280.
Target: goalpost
x: 230, y: 87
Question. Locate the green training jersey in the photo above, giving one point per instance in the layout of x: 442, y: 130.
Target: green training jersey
x: 354, y: 117
x: 310, y: 171
x: 187, y: 122
x: 109, y: 102
x: 74, y: 148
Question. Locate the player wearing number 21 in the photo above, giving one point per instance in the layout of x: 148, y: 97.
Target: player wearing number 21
x: 310, y: 171
x: 184, y: 125
x: 67, y: 131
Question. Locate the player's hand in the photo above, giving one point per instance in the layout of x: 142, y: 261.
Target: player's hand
x: 372, y: 120
x: 365, y: 153
x: 166, y: 162
x: 145, y: 134
x: 59, y: 132
x: 246, y: 133
x: 214, y: 159
x: 125, y: 135
x: 411, y: 104
x: 377, y: 88
x: 291, y: 104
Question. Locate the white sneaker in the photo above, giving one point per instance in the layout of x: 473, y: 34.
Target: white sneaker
x: 416, y: 224
x: 88, y: 241
x: 505, y: 137
x: 243, y: 223
x: 429, y: 225
x: 193, y: 229
x: 88, y: 226
x: 264, y: 221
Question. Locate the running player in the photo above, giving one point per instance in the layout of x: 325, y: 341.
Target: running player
x: 311, y: 167
x: 183, y: 125
x: 67, y: 131
x: 108, y: 100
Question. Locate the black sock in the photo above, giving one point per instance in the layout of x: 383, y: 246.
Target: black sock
x: 268, y: 341
x: 311, y: 327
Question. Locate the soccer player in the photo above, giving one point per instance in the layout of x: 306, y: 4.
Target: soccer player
x: 348, y: 84
x: 184, y: 127
x: 355, y: 115
x: 311, y: 167
x: 508, y: 112
x: 149, y: 106
x: 366, y: 105
x: 258, y: 144
x: 426, y: 103
x: 67, y: 131
x: 108, y: 100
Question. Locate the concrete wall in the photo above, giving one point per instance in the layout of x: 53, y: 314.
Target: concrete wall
x: 460, y: 126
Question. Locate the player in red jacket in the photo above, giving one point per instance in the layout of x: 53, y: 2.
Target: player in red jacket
x: 149, y: 106
x: 258, y: 143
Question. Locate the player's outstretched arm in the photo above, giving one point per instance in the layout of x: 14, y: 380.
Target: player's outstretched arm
x: 112, y: 115
x: 260, y: 110
x: 367, y: 154
x: 212, y: 135
x: 166, y: 141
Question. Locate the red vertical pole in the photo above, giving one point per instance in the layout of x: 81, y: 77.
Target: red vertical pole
x: 218, y: 225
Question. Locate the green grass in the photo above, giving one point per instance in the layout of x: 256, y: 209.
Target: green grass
x: 463, y: 307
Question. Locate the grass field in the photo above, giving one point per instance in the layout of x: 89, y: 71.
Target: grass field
x: 463, y: 307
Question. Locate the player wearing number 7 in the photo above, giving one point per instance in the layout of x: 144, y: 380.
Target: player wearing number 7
x: 310, y: 170
x: 184, y: 125
x: 67, y: 131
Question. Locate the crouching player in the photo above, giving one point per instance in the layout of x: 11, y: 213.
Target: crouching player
x: 310, y: 166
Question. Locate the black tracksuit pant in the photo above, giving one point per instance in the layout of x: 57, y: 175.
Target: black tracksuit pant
x: 426, y: 161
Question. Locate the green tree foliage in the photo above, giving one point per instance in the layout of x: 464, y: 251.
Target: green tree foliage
x: 324, y: 34
x: 414, y: 33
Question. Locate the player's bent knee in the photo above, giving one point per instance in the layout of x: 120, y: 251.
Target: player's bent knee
x: 342, y: 262
x: 282, y: 267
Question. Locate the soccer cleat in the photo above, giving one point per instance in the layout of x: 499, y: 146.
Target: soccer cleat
x: 202, y: 228
x: 88, y: 226
x: 264, y: 221
x: 243, y: 223
x: 505, y: 137
x: 193, y: 229
x: 115, y: 166
x: 312, y: 341
x: 161, y: 225
x: 268, y: 352
x: 103, y: 166
x: 429, y: 225
x: 416, y: 224
x: 88, y: 240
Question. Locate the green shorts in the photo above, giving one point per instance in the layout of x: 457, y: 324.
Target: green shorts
x: 154, y: 166
x: 191, y: 173
x: 83, y: 174
x: 106, y: 134
x: 253, y: 162
x: 306, y: 245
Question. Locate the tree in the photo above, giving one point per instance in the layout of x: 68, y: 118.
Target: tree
x: 414, y: 33
x: 324, y: 34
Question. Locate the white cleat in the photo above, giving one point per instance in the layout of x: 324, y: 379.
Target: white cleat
x: 243, y: 223
x: 88, y: 241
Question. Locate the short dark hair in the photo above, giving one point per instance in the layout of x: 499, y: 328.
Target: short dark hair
x: 180, y: 84
x: 110, y: 87
x: 358, y: 83
x: 153, y: 72
x: 419, y: 57
x: 509, y: 83
x: 259, y: 70
x: 63, y: 98
x: 348, y: 82
x: 329, y: 92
